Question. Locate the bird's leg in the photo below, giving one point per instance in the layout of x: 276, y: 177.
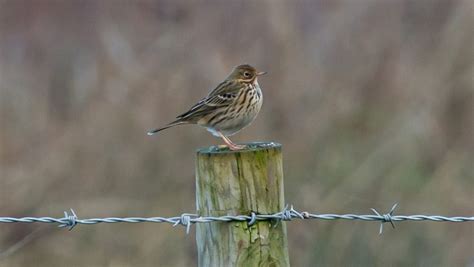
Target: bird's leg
x: 230, y: 144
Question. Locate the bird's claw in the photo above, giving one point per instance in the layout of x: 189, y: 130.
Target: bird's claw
x: 235, y: 147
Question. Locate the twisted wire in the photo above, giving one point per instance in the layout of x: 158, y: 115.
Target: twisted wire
x: 70, y: 220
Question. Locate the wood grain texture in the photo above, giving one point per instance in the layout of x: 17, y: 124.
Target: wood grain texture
x: 233, y: 183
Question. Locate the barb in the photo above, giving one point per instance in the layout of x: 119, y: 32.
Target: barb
x: 386, y: 217
x: 69, y: 220
x: 287, y: 214
x: 185, y: 220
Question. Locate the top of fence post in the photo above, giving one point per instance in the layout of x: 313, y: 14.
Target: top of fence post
x: 253, y: 146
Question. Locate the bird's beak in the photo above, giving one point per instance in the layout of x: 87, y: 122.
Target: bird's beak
x: 261, y: 73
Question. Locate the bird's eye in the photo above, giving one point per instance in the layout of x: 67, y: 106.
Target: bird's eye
x: 247, y: 74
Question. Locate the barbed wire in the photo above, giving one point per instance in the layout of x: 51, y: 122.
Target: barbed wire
x: 70, y: 220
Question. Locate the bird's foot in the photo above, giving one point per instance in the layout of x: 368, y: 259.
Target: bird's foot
x: 235, y: 147
x: 231, y: 144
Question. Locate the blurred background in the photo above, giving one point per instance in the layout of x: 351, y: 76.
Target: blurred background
x: 373, y: 102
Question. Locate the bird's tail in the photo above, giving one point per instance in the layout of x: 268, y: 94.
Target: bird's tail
x: 169, y: 125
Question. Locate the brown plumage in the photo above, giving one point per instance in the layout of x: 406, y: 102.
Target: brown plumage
x: 227, y: 109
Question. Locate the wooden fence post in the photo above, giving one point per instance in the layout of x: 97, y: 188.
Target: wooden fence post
x: 238, y: 183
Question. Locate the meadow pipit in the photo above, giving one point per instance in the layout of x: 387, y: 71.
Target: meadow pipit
x: 227, y: 109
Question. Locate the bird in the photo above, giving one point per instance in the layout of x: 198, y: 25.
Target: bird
x: 228, y: 108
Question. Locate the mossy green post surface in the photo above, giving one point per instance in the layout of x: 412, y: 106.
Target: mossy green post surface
x: 238, y: 183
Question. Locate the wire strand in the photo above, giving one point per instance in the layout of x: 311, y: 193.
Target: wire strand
x: 70, y: 220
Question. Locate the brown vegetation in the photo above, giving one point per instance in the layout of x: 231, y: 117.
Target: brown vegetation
x: 372, y: 100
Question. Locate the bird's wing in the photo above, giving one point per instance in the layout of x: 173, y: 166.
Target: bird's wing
x: 226, y: 86
x: 224, y: 94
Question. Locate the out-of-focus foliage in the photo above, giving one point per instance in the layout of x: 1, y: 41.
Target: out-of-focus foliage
x: 372, y: 100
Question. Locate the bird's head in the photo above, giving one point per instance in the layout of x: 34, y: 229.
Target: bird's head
x: 245, y: 73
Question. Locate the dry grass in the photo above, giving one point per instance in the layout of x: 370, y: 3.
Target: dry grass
x: 372, y: 100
